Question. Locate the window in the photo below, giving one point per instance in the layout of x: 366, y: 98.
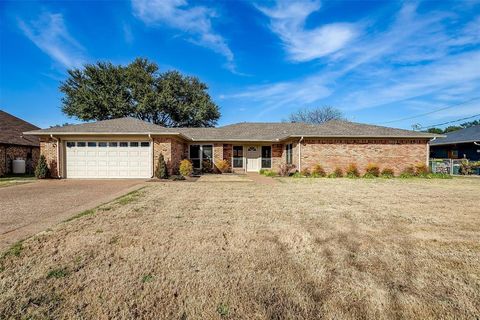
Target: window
x: 81, y: 144
x: 102, y: 144
x: 113, y: 144
x: 207, y: 158
x: 70, y: 144
x: 133, y: 144
x: 266, y: 157
x: 144, y: 144
x: 201, y: 157
x: 289, y: 149
x: 195, y: 155
x: 238, y: 156
x: 92, y: 144
x: 123, y: 144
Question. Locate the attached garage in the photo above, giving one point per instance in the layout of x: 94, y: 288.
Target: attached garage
x: 108, y: 159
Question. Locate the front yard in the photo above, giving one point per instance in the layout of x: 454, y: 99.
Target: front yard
x: 300, y: 248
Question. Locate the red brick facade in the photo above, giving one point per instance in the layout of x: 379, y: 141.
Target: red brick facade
x: 48, y: 148
x: 173, y: 150
x: 387, y: 153
x: 329, y: 153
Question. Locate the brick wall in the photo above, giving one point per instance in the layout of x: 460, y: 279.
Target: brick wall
x: 173, y: 150
x: 392, y: 153
x: 8, y: 153
x: 48, y: 148
x: 227, y: 154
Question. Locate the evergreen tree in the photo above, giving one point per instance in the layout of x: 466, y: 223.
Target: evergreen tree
x: 41, y: 171
x: 162, y: 170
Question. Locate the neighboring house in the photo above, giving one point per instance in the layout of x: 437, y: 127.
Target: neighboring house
x: 129, y: 147
x: 464, y: 143
x: 15, y: 145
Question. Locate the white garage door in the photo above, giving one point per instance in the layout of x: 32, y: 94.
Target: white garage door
x: 108, y: 159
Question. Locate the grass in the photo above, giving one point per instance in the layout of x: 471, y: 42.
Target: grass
x: 299, y: 249
x: 12, y: 180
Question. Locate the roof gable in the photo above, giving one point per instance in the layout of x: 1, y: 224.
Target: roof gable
x: 12, y: 129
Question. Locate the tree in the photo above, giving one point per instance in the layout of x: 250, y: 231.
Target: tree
x: 41, y: 171
x: 451, y: 129
x: 317, y: 115
x: 104, y: 91
x: 470, y: 124
x: 435, y: 130
x: 162, y: 170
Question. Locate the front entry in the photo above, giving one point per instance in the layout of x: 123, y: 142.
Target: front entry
x: 253, y: 159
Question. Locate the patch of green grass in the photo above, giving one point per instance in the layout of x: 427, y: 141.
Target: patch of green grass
x: 129, y: 197
x: 223, y: 310
x: 15, y: 250
x: 58, y: 273
x: 147, y: 278
x: 81, y: 214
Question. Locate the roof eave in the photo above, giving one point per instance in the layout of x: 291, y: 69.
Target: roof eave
x: 453, y: 142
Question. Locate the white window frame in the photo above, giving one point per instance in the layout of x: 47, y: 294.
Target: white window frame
x: 243, y: 157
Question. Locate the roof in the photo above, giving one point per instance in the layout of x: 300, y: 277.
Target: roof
x: 245, y: 131
x: 12, y: 129
x: 466, y: 135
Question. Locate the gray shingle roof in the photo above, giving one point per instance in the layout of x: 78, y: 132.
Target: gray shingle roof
x: 12, y: 128
x: 246, y: 131
x: 466, y: 135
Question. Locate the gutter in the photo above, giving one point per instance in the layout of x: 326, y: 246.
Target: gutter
x: 476, y: 143
x: 58, y: 155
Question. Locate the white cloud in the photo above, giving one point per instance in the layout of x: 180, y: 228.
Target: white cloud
x: 287, y: 20
x: 50, y: 34
x: 427, y: 57
x: 195, y: 21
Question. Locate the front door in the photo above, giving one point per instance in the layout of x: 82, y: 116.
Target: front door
x: 253, y: 158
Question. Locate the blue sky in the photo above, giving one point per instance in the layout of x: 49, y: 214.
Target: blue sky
x: 376, y: 61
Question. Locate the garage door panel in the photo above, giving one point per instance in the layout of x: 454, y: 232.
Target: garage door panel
x: 107, y: 160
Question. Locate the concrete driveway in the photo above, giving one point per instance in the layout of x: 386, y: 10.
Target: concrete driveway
x: 30, y: 208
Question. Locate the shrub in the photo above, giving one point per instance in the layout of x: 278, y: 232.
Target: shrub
x: 176, y: 177
x: 305, y: 172
x: 408, y: 172
x: 268, y: 173
x: 297, y: 175
x: 421, y: 169
x: 285, y: 169
x: 318, y: 171
x: 337, y: 173
x: 162, y: 171
x: 372, y: 170
x: 352, y: 171
x: 387, y: 173
x: 41, y: 171
x: 222, y: 165
x: 185, y: 168
x: 466, y: 167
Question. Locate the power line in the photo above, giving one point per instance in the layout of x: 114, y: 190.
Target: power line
x: 441, y: 124
x: 430, y: 112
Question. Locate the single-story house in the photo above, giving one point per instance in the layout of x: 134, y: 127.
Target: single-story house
x: 461, y: 144
x: 130, y: 148
x: 15, y: 145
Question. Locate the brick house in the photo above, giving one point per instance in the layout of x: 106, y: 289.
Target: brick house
x: 15, y: 145
x: 130, y: 148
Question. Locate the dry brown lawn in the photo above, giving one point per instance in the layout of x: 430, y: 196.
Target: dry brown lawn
x: 299, y: 249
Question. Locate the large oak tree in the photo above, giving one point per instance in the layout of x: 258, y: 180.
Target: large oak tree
x: 104, y: 91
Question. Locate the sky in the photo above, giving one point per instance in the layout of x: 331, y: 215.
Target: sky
x: 378, y: 61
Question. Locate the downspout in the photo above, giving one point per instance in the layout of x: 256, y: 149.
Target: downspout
x: 300, y: 154
x: 152, y: 167
x: 58, y: 155
x: 476, y: 143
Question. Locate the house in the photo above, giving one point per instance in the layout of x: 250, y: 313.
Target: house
x: 464, y: 143
x: 15, y: 145
x: 130, y: 148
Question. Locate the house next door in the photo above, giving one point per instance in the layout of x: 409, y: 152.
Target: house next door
x: 253, y: 158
